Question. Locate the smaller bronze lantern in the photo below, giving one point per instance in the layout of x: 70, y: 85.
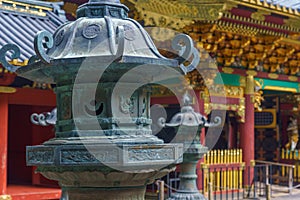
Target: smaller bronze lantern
x: 189, y: 124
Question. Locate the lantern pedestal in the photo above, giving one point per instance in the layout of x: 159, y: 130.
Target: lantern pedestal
x: 188, y: 177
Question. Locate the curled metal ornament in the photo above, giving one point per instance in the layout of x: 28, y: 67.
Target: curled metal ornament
x: 43, y: 40
x: 16, y: 54
x: 44, y: 119
x: 185, y: 47
x: 216, y: 122
x: 33, y: 59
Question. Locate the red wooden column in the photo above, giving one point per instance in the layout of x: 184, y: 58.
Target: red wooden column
x: 3, y: 142
x: 247, y: 138
x: 202, y: 139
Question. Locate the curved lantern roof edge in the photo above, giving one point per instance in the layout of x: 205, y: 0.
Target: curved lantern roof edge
x: 34, y: 69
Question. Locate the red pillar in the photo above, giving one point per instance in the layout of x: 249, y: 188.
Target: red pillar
x: 3, y: 142
x: 247, y: 132
x: 202, y: 139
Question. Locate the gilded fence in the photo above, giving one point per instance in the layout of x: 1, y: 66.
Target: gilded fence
x: 223, y: 171
x: 291, y: 157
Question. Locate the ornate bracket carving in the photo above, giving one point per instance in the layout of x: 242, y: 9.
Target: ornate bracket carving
x: 226, y: 91
x: 16, y: 54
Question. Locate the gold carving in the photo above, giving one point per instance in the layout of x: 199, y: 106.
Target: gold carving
x: 233, y: 91
x: 251, y: 72
x: 257, y: 98
x: 24, y: 7
x: 227, y: 70
x: 293, y: 78
x: 293, y: 23
x: 259, y: 15
x: 4, y: 89
x: 176, y: 14
x: 229, y: 5
x: 162, y: 20
x: 273, y: 76
x: 239, y: 109
x: 242, y: 81
x: 5, y: 197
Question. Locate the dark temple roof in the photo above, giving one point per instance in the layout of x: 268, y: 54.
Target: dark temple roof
x: 295, y: 4
x: 20, y: 20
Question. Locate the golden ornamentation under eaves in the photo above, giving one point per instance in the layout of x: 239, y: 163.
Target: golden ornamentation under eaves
x: 293, y: 23
x: 260, y: 15
x: 260, y: 53
x: 273, y: 76
x: 24, y: 7
x: 238, y: 108
x: 227, y: 70
x: 224, y: 91
x: 161, y: 20
x: 257, y: 97
x: 293, y: 78
x: 70, y: 8
x: 187, y: 12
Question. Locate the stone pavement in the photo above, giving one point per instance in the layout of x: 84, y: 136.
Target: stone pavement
x: 278, y: 193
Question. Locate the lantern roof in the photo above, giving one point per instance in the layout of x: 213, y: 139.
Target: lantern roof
x: 102, y: 28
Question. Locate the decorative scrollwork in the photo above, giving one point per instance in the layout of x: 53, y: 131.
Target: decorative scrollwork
x: 217, y: 121
x: 184, y: 45
x: 42, y: 40
x: 44, y: 119
x: 16, y: 54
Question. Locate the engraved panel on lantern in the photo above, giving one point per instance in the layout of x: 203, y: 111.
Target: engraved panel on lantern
x: 65, y: 106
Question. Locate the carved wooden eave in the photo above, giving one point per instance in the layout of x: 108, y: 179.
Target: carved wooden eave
x: 176, y: 14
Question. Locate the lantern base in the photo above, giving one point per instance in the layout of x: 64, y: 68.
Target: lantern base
x: 189, y: 195
x: 104, y: 171
x: 137, y: 193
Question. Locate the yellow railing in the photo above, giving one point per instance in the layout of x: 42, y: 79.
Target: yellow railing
x: 291, y: 157
x: 223, y: 170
